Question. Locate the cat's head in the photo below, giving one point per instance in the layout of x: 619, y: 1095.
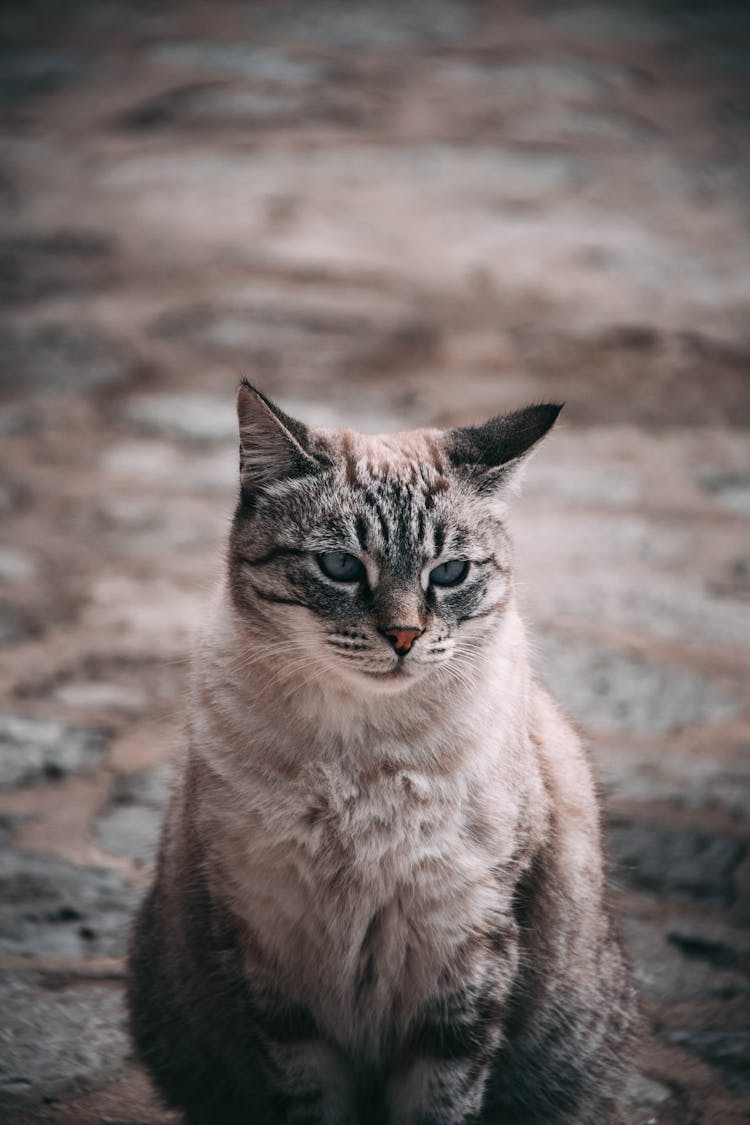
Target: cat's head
x: 376, y: 559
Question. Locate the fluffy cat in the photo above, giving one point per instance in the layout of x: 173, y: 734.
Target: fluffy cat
x: 379, y: 893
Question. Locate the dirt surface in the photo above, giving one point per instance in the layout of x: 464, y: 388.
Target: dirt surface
x: 384, y: 214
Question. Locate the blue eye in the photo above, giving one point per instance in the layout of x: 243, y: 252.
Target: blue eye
x: 340, y: 567
x: 449, y: 573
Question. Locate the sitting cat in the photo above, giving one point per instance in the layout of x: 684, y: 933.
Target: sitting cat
x: 379, y: 894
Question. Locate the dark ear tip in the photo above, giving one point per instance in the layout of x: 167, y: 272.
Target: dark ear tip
x: 547, y: 413
x: 245, y: 385
x: 504, y: 438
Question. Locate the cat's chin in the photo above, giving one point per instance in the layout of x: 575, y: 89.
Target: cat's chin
x: 388, y: 682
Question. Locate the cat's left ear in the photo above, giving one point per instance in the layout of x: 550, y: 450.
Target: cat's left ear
x: 492, y: 454
x: 273, y: 445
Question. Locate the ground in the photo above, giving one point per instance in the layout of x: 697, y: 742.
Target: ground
x: 385, y: 214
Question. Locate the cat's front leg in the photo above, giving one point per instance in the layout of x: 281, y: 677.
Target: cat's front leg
x: 443, y: 1077
x: 310, y: 1083
x: 438, y: 1093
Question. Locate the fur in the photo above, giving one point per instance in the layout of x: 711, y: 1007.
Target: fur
x: 379, y: 894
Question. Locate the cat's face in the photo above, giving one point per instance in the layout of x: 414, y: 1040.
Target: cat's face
x: 375, y: 559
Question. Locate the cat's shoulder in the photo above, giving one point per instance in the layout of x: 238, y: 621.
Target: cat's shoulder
x: 562, y: 756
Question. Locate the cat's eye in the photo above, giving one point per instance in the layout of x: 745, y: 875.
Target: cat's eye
x: 449, y: 573
x: 340, y: 566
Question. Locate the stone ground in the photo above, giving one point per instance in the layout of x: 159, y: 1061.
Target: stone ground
x: 388, y: 214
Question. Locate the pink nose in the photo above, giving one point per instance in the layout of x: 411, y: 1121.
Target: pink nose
x: 402, y: 639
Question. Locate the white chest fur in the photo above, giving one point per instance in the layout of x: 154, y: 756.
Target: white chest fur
x: 362, y: 844
x: 361, y: 888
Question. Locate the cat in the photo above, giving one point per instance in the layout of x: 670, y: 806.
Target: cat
x: 379, y: 895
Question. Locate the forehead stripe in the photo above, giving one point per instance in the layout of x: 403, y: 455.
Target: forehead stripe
x: 437, y: 455
x: 350, y: 460
x: 373, y: 502
x: 361, y: 529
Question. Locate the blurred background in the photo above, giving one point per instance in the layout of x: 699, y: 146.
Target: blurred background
x: 384, y: 214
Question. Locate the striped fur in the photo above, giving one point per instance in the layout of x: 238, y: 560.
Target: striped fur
x: 379, y: 895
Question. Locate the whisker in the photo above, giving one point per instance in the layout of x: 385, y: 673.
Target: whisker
x: 278, y: 648
x: 319, y: 672
x: 289, y: 670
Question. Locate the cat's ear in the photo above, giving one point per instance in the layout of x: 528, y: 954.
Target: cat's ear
x: 492, y: 453
x: 273, y: 446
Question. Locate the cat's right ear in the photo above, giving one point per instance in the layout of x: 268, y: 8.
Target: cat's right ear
x: 273, y: 446
x: 493, y: 453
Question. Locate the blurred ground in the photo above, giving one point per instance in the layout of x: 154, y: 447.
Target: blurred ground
x: 385, y: 214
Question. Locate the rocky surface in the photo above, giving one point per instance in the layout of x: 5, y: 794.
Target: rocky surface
x: 44, y: 750
x: 56, y: 1038
x: 51, y: 906
x: 386, y: 214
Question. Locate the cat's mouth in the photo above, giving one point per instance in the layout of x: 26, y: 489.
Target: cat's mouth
x: 391, y: 679
x: 386, y: 675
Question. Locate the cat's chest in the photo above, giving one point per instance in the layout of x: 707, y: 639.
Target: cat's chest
x: 381, y: 824
x: 366, y: 888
